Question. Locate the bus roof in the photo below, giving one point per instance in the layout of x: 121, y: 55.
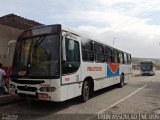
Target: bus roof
x: 82, y: 34
x: 77, y: 33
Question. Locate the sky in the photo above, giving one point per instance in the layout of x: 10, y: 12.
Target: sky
x: 133, y: 25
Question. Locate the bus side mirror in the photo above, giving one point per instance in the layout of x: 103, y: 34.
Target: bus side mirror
x: 71, y: 45
x: 64, y: 49
x: 8, y: 49
x: 11, y: 46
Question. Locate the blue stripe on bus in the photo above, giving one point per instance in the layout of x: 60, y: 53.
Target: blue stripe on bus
x: 111, y: 73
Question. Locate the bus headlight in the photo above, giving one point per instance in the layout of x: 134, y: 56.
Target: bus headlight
x: 47, y: 89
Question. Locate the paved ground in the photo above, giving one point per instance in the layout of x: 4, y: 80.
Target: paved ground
x: 141, y: 95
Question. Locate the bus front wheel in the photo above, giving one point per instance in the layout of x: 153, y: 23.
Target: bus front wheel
x: 85, y: 91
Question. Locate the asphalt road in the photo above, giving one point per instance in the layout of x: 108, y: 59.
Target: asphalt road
x: 141, y: 95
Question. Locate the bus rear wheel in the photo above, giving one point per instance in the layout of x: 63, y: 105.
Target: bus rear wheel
x: 121, y: 84
x: 85, y: 91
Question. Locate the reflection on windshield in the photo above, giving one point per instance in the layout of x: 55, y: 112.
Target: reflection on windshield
x: 25, y: 51
x: 38, y: 56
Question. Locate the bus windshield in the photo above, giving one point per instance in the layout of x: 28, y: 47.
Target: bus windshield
x: 146, y: 66
x: 37, y: 56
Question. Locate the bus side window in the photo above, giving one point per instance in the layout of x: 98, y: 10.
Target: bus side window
x: 112, y: 56
x: 72, y: 62
x: 121, y: 57
x: 125, y: 58
x: 107, y: 54
x: 128, y: 59
x: 118, y: 58
x: 99, y: 52
x: 123, y: 61
x: 87, y: 51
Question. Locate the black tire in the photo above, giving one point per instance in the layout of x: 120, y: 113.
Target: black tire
x: 121, y: 84
x: 85, y: 91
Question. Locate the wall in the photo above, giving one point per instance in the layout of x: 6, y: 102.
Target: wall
x: 7, y: 34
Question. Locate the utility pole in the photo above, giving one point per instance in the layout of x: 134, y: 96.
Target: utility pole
x: 113, y: 41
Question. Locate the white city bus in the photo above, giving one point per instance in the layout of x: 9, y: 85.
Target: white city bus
x: 57, y: 63
x: 147, y: 68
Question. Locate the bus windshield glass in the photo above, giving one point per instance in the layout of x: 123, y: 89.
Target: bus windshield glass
x: 37, y: 56
x: 146, y: 66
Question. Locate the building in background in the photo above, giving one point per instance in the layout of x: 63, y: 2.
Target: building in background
x: 11, y: 26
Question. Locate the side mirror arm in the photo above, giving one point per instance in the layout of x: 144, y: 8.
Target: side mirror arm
x: 64, y: 49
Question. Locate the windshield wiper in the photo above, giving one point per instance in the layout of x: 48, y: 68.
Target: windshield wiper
x: 39, y: 41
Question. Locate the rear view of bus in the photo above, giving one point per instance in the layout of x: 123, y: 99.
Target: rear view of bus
x: 147, y: 68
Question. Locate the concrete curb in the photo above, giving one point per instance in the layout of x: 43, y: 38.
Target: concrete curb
x: 7, y: 99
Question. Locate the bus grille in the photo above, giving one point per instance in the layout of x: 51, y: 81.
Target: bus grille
x: 24, y: 88
x: 146, y: 70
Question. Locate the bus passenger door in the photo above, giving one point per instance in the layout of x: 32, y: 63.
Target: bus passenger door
x: 70, y: 67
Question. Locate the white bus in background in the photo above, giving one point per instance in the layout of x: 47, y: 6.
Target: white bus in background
x: 11, y: 48
x: 57, y: 63
x: 147, y: 68
x: 7, y: 61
